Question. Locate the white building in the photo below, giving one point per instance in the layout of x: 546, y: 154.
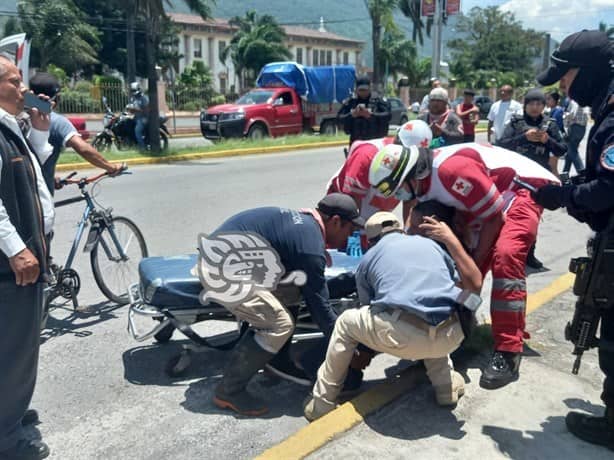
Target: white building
x: 202, y: 40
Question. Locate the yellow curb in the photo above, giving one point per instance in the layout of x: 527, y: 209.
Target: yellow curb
x: 317, y: 434
x: 204, y: 155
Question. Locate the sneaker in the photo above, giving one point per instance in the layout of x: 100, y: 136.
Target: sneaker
x: 285, y: 368
x: 26, y: 449
x: 314, y: 408
x: 596, y: 430
x: 501, y: 370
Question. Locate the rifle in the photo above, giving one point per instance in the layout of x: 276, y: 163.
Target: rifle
x: 594, y: 286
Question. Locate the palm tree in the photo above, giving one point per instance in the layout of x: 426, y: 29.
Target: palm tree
x: 381, y: 18
x: 151, y: 12
x: 257, y: 41
x: 411, y: 9
x: 603, y: 27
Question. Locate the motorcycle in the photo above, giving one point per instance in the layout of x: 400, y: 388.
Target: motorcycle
x: 118, y: 130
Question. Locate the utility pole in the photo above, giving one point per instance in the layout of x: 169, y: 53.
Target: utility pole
x: 437, y: 39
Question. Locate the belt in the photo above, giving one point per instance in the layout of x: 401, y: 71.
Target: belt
x: 405, y: 316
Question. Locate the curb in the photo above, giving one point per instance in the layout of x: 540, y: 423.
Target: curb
x: 215, y: 154
x: 317, y: 434
x: 204, y: 155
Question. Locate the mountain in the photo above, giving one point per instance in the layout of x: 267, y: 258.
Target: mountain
x: 344, y: 17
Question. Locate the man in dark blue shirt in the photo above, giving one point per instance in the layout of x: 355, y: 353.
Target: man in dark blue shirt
x: 265, y: 244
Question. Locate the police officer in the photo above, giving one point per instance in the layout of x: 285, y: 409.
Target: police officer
x: 584, y: 66
x: 364, y: 116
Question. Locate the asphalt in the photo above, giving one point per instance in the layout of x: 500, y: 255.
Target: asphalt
x: 102, y: 395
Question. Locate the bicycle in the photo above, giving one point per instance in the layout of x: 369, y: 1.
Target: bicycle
x: 113, y: 257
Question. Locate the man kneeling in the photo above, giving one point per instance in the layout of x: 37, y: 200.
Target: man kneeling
x: 408, y: 286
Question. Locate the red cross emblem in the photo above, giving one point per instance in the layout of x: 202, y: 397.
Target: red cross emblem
x: 424, y: 142
x: 387, y: 160
x: 459, y: 185
x: 409, y: 126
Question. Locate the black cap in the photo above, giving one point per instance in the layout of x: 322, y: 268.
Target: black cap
x: 45, y: 83
x: 534, y: 94
x: 588, y: 48
x: 363, y: 80
x: 471, y: 92
x: 341, y: 205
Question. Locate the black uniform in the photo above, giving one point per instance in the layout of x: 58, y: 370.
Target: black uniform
x: 514, y: 138
x: 360, y: 128
x: 592, y: 201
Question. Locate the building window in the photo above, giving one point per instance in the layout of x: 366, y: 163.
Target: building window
x: 346, y: 58
x: 329, y: 57
x: 322, y: 57
x: 220, y: 49
x: 315, y: 57
x: 198, y: 48
x: 223, y: 85
x: 299, y: 55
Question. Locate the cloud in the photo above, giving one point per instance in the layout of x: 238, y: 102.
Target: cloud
x: 561, y: 17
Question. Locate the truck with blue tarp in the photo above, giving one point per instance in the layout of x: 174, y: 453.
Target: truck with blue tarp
x: 289, y: 99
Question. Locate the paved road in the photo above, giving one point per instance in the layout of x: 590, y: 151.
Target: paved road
x: 102, y: 395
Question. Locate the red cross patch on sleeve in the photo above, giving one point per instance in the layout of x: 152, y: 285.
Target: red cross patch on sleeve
x: 462, y: 186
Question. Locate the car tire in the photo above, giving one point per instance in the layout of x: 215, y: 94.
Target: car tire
x: 257, y: 132
x: 403, y: 120
x: 328, y: 128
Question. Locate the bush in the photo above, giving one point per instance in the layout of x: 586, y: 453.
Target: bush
x: 58, y: 73
x: 218, y: 99
x: 190, y: 107
x: 76, y: 102
x: 83, y: 87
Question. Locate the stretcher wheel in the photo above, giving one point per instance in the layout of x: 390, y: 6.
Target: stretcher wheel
x: 164, y: 334
x: 177, y: 365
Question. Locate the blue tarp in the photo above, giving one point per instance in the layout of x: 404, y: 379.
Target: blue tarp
x: 314, y: 84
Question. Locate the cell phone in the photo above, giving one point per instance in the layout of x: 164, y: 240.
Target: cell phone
x: 361, y: 106
x: 32, y: 101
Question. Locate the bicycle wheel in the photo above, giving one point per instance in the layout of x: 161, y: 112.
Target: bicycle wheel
x: 113, y: 275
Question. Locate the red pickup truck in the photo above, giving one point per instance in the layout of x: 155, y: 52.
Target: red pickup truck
x: 290, y: 99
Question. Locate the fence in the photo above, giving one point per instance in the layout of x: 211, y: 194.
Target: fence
x: 87, y: 98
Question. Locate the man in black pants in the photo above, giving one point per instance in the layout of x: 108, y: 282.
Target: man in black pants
x: 26, y: 215
x: 584, y: 65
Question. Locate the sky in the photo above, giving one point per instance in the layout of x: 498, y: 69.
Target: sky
x: 558, y: 17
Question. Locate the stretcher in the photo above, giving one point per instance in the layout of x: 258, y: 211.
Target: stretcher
x: 167, y: 299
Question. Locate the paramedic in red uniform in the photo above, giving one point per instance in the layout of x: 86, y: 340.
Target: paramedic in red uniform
x: 478, y: 180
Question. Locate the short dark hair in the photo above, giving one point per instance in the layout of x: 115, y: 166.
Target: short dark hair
x: 470, y: 92
x: 554, y: 95
x: 435, y: 208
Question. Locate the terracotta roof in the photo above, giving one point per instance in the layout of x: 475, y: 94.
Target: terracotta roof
x: 292, y: 31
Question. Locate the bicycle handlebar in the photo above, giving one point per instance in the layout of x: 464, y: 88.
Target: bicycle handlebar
x: 88, y: 180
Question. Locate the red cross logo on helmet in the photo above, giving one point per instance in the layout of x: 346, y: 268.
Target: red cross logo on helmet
x: 387, y: 160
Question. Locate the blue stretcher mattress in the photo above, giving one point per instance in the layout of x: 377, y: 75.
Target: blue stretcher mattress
x: 167, y: 281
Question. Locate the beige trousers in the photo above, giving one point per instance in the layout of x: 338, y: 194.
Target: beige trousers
x: 272, y: 322
x: 387, y: 333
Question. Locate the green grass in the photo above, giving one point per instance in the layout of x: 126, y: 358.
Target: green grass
x: 229, y: 144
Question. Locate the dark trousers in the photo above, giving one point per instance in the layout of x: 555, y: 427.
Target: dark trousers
x: 20, y: 317
x: 575, y: 134
x: 468, y: 137
x: 606, y: 356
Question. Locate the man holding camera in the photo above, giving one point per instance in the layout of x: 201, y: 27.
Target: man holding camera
x: 584, y: 67
x: 364, y: 117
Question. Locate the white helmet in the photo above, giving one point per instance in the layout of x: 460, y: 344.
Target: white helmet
x: 390, y: 167
x: 135, y: 87
x: 415, y: 132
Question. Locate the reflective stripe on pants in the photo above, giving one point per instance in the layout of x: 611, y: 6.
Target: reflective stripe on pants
x: 507, y: 262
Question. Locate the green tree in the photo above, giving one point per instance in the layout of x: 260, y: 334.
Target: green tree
x: 411, y: 9
x: 397, y: 53
x: 493, y: 42
x: 257, y: 41
x: 152, y: 13
x: 12, y: 27
x: 59, y: 34
x: 380, y: 12
x: 603, y: 27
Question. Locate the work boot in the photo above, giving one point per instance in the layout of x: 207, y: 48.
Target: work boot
x: 448, y: 395
x: 533, y: 261
x: 352, y: 384
x: 26, y: 449
x: 284, y: 367
x: 314, y: 408
x: 245, y: 360
x: 596, y: 430
x: 30, y: 417
x: 501, y: 370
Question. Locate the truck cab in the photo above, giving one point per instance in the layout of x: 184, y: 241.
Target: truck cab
x: 258, y: 113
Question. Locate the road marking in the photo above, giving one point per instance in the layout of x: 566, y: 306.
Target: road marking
x: 317, y: 434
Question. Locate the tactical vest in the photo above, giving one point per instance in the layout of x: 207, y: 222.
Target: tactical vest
x: 534, y: 150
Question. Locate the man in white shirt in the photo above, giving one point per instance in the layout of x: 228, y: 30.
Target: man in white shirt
x: 26, y: 216
x: 501, y: 112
